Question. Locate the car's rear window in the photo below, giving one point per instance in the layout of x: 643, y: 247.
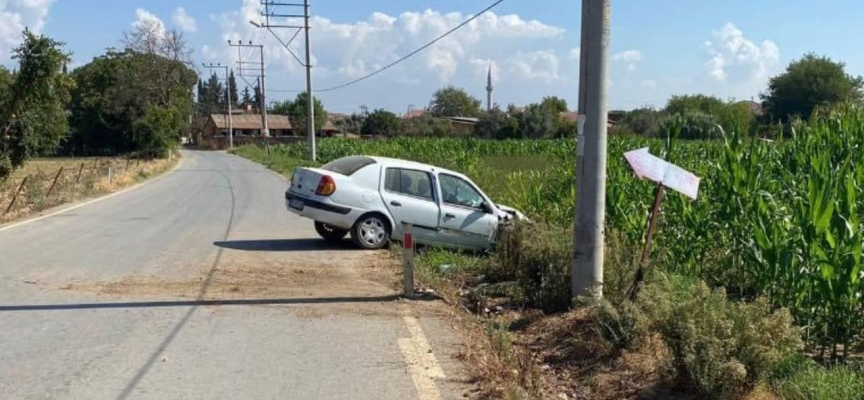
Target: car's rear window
x: 348, y: 165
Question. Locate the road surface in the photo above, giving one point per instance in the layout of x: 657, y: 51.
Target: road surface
x: 199, y: 285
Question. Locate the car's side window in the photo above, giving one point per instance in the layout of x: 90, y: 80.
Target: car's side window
x: 456, y: 191
x: 409, y: 182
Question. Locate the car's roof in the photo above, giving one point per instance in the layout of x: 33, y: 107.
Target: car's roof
x: 410, y: 164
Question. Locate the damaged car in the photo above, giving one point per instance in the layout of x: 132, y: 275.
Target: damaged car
x: 369, y: 198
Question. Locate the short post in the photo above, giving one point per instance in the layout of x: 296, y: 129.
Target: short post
x: 80, y: 171
x: 649, y: 239
x: 408, y: 259
x: 109, y: 175
x: 95, y: 164
x: 54, y: 182
x: 128, y: 161
x: 15, y: 195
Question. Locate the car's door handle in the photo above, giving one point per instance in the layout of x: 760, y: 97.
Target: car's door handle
x: 448, y: 217
x: 395, y: 203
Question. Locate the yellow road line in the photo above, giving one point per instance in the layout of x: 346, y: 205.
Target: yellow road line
x: 422, y: 364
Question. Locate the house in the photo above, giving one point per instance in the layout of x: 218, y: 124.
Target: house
x: 251, y: 125
x: 414, y: 114
x: 247, y: 125
x: 462, y: 125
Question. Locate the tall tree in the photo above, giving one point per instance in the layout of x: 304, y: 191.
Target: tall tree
x: 808, y: 83
x: 454, y: 102
x: 554, y: 103
x: 232, y: 88
x: 31, y: 110
x: 381, y: 122
x: 297, y: 112
x: 247, y: 96
x: 139, y: 99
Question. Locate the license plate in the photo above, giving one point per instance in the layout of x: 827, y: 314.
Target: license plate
x: 296, y: 204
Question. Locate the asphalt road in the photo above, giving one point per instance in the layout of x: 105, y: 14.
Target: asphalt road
x: 199, y: 285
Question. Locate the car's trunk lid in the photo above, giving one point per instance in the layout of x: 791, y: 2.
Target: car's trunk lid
x: 305, y: 180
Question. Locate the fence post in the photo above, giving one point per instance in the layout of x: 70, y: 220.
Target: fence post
x: 15, y: 195
x: 80, y: 170
x: 109, y: 175
x: 408, y: 259
x: 54, y: 183
x: 128, y: 161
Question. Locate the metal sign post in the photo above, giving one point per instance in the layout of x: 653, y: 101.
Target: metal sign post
x: 666, y: 174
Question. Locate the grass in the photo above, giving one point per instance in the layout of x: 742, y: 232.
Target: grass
x: 800, y: 378
x: 93, y: 181
x: 717, y: 344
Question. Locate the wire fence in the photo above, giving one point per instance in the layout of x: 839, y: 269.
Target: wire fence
x: 41, y: 190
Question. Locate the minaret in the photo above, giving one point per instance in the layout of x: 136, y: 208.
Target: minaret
x: 489, y: 89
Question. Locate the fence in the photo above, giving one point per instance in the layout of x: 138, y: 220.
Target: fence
x: 41, y: 190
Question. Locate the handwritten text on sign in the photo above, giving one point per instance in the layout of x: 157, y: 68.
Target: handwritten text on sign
x: 649, y: 166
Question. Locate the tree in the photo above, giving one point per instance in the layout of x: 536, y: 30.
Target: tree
x: 454, y: 102
x: 297, y: 112
x: 497, y: 124
x: 681, y: 104
x: 808, y: 83
x: 538, y: 121
x: 247, y: 96
x: 232, y: 88
x: 31, y: 105
x: 729, y: 115
x: 426, y: 125
x: 643, y: 121
x: 555, y: 103
x: 138, y: 99
x: 381, y: 122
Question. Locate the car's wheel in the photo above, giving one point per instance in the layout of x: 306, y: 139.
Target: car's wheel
x: 371, y: 232
x: 330, y: 233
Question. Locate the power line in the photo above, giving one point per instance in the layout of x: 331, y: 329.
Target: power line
x: 409, y: 55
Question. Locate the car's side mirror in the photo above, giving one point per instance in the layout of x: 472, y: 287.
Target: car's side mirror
x: 486, y: 207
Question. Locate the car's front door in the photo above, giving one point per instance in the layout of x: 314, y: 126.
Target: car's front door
x: 464, y: 222
x: 409, y: 196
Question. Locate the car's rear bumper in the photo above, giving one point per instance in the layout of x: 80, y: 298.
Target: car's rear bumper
x: 332, y: 214
x: 315, y: 204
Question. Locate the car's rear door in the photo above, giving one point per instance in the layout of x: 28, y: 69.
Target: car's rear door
x: 409, y: 196
x: 464, y: 222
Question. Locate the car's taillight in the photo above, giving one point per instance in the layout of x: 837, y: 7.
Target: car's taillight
x: 326, y: 186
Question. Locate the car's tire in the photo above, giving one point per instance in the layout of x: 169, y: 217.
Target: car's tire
x: 371, y: 232
x: 329, y: 233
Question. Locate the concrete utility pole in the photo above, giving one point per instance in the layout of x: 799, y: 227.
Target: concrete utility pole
x: 588, y: 226
x: 244, y: 72
x: 268, y: 13
x: 228, y: 96
x: 310, y: 125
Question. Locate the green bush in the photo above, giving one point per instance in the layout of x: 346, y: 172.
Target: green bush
x: 723, y: 348
x: 800, y: 378
x: 539, y: 256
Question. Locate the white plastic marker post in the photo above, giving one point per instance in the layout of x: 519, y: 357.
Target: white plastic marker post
x: 408, y: 259
x: 647, y: 165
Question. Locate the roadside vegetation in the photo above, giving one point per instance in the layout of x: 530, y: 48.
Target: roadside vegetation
x: 763, y: 268
x: 102, y: 126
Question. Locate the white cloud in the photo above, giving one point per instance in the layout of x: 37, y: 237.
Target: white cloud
x: 349, y: 50
x: 733, y: 54
x: 542, y: 65
x: 16, y: 15
x: 143, y: 17
x: 576, y: 53
x: 630, y: 57
x: 184, y: 20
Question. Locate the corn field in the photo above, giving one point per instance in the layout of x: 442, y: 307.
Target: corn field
x: 780, y: 219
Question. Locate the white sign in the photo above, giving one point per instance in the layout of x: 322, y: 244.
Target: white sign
x: 647, y: 165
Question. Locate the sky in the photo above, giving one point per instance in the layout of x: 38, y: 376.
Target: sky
x: 658, y: 48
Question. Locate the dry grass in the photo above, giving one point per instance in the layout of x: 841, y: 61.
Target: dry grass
x: 72, y: 183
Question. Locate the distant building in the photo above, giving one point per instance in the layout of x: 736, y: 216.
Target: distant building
x: 414, y: 114
x: 251, y: 125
